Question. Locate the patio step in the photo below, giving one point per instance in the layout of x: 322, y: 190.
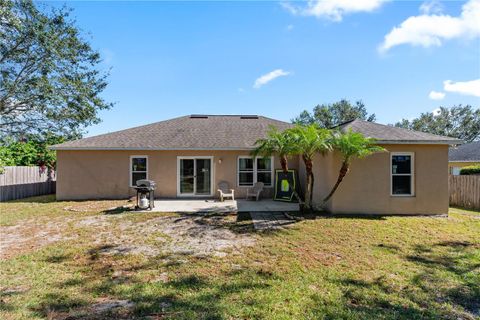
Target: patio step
x: 269, y: 221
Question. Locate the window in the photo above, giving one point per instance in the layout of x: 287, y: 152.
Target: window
x: 402, y: 171
x: 245, y: 171
x: 251, y: 170
x: 264, y: 171
x: 138, y: 169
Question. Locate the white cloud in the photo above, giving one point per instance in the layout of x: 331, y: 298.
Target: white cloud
x: 430, y: 30
x: 435, y: 95
x: 433, y: 6
x: 436, y: 111
x: 266, y: 78
x: 290, y: 27
x: 333, y: 9
x: 471, y: 88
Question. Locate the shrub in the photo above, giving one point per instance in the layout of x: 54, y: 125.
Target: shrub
x: 30, y: 151
x: 469, y: 170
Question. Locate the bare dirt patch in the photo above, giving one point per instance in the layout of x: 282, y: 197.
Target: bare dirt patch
x: 180, y: 235
x: 195, y: 235
x: 122, y: 234
x: 31, y: 234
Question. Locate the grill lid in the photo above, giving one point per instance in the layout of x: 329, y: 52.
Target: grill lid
x: 146, y: 183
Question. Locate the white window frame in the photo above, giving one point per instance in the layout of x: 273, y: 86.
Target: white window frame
x: 411, y: 174
x: 135, y: 171
x: 255, y: 171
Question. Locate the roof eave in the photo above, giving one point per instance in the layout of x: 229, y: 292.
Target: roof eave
x: 447, y: 142
x: 148, y: 148
x: 478, y: 160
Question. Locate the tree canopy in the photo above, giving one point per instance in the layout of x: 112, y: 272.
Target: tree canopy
x: 276, y: 142
x: 30, y: 151
x: 330, y: 115
x: 307, y: 141
x: 462, y: 122
x: 50, y: 80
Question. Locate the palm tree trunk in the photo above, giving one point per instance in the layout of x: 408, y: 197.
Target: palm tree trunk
x: 343, y: 172
x: 284, y: 164
x: 309, y: 191
x: 312, y: 179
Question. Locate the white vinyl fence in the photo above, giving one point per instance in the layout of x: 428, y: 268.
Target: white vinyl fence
x: 22, y: 182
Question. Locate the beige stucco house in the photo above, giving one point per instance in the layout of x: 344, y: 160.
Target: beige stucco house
x: 188, y: 156
x: 462, y: 156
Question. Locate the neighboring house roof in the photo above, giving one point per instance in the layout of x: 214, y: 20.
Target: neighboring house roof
x: 228, y: 132
x: 194, y: 132
x: 394, y: 135
x: 469, y: 152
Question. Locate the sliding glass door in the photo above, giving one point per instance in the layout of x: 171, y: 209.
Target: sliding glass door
x: 194, y: 176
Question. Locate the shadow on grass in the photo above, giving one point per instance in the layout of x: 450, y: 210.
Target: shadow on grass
x: 119, y: 210
x: 56, y: 306
x: 37, y: 199
x: 326, y: 215
x: 188, y: 296
x: 450, y: 271
x: 57, y: 258
x: 6, y: 294
x: 240, y: 223
x: 445, y: 286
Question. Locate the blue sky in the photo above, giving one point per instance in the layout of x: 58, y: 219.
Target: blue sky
x: 170, y: 59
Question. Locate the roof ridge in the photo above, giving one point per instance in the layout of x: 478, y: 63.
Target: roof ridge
x: 411, y: 130
x: 345, y: 122
x: 223, y: 115
x: 370, y: 126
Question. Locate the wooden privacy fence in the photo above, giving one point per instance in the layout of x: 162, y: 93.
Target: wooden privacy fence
x: 465, y: 191
x: 23, y: 182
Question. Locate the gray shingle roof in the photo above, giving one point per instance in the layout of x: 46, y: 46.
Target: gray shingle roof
x: 390, y: 134
x: 467, y: 152
x: 195, y: 132
x: 227, y: 132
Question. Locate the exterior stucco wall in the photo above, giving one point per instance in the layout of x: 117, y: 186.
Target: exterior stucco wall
x: 366, y: 188
x: 105, y: 174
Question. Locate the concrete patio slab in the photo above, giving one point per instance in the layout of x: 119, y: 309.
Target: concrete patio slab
x: 214, y: 206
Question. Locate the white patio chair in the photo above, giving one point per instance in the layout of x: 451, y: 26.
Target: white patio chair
x: 255, y: 191
x: 225, y: 191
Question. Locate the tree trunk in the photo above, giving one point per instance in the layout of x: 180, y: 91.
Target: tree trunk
x: 284, y: 164
x: 343, y: 172
x: 310, y: 179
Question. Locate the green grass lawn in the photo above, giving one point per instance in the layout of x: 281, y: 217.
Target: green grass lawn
x: 327, y: 268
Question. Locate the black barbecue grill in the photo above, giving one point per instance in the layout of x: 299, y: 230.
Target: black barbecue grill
x: 145, y: 188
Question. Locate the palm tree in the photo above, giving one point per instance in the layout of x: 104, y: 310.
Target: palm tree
x: 276, y: 142
x: 308, y: 141
x: 351, y: 145
x: 281, y: 144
